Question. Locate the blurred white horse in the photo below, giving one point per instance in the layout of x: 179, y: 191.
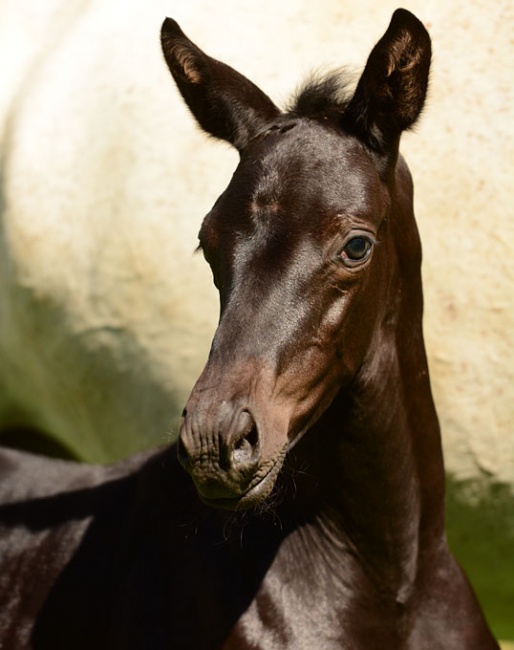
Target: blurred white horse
x: 106, y: 314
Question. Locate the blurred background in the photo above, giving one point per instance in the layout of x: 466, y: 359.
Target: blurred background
x: 106, y: 314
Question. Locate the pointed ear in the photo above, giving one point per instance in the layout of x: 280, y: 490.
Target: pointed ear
x: 392, y: 89
x: 225, y: 104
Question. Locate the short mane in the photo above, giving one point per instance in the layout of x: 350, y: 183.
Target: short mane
x: 323, y: 95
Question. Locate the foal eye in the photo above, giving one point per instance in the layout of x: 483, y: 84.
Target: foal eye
x: 356, y: 249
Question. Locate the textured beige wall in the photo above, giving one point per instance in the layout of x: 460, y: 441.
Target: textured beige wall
x: 105, y: 180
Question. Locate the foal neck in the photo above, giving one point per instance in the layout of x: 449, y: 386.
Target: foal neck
x: 375, y: 461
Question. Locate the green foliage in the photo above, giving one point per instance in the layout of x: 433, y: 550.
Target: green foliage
x: 480, y: 525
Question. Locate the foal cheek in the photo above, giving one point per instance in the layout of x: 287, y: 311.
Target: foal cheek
x: 306, y: 387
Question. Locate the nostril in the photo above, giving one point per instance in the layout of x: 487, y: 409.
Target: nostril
x: 246, y: 447
x: 250, y: 438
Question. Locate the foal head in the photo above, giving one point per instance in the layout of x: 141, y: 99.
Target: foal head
x: 304, y: 246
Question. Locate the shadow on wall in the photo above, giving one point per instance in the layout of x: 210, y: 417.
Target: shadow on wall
x: 35, y: 441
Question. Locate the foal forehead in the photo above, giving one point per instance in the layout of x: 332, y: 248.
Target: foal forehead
x: 312, y: 165
x: 302, y: 177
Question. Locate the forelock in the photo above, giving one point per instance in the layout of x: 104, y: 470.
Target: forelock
x: 323, y: 95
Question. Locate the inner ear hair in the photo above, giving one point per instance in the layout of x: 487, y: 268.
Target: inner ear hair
x: 186, y: 63
x: 407, y: 79
x: 404, y: 55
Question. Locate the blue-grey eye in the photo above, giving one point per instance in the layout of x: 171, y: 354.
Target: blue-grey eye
x: 356, y: 249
